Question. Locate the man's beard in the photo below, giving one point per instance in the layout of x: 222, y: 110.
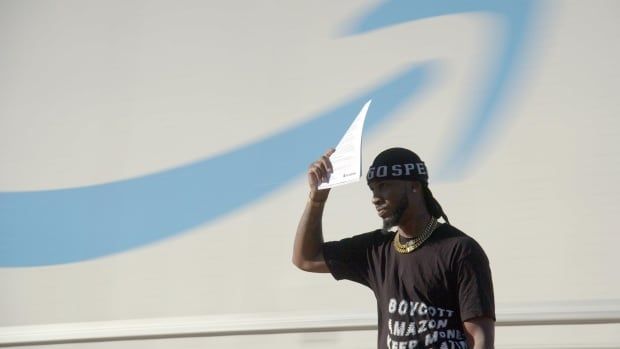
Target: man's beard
x: 394, y: 219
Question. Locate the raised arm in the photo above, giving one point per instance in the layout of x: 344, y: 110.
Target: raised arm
x: 307, y: 250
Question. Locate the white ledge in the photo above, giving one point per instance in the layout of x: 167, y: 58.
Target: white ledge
x: 600, y: 312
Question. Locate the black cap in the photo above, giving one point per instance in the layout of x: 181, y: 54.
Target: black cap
x: 397, y: 163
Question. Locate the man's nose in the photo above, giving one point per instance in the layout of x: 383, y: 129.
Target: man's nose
x: 376, y: 199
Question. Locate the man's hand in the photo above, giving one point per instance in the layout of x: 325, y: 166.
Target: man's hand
x: 318, y: 172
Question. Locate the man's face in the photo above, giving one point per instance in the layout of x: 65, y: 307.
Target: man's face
x: 390, y: 200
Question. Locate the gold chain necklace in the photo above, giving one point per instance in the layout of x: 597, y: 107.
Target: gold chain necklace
x: 411, y: 245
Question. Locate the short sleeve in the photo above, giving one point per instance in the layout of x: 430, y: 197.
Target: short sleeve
x: 475, y: 285
x: 349, y: 258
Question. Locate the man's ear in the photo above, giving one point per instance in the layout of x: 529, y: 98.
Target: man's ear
x: 416, y: 186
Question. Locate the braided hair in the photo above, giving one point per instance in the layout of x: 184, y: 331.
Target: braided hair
x: 432, y: 205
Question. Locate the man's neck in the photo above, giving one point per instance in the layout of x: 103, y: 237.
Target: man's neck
x: 415, y: 226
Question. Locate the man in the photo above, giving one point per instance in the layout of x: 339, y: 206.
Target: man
x: 431, y: 281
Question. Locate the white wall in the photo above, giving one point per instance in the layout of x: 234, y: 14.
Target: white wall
x: 97, y: 92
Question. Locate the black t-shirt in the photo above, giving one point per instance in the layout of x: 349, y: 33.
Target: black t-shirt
x: 423, y: 296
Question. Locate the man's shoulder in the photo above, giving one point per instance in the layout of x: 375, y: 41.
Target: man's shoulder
x: 375, y: 236
x: 455, y: 238
x: 360, y: 243
x: 449, y: 232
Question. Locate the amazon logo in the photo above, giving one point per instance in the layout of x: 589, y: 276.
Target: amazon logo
x: 69, y: 225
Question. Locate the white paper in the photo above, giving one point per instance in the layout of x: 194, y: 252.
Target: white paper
x: 347, y: 159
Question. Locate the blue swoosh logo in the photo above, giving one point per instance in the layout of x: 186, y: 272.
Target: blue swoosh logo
x: 69, y: 225
x: 76, y: 224
x: 517, y: 17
